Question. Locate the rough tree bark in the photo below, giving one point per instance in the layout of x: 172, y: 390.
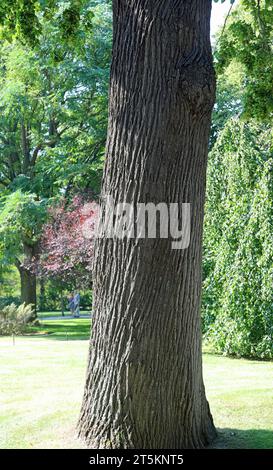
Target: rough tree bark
x: 144, y: 386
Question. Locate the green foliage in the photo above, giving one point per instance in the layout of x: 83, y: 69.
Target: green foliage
x: 238, y: 269
x: 19, y: 18
x: 5, y: 301
x: 23, y: 18
x: 53, y: 120
x: 53, y: 103
x: 229, y: 99
x: 22, y: 216
x: 57, y: 293
x: 15, y: 320
x: 247, y: 40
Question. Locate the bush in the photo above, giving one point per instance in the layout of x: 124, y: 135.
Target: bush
x: 5, y: 301
x: 235, y: 337
x: 15, y: 320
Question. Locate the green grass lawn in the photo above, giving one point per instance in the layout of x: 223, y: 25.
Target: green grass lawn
x: 63, y: 329
x: 42, y: 379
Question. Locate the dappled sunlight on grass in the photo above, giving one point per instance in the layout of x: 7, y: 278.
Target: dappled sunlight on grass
x: 63, y: 329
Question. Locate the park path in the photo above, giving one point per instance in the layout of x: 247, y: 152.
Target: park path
x: 64, y: 317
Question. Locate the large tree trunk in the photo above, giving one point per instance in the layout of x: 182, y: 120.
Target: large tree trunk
x: 144, y: 386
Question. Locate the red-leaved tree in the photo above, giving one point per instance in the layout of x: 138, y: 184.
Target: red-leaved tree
x: 66, y: 245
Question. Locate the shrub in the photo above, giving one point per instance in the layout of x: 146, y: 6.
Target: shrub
x: 235, y: 337
x: 15, y: 320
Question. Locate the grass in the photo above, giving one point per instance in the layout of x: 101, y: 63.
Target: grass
x: 76, y: 329
x: 241, y: 400
x: 42, y: 379
x: 40, y: 391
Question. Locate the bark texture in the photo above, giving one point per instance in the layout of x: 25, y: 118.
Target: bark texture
x: 144, y: 386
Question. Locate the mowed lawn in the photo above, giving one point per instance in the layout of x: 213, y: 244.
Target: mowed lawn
x: 42, y: 379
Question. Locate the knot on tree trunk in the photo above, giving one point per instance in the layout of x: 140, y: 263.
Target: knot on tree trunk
x: 196, y: 82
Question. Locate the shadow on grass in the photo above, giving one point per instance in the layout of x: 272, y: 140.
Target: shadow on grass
x: 243, y: 439
x: 62, y: 330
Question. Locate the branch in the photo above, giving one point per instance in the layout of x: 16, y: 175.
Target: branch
x: 50, y: 143
x: 224, y: 25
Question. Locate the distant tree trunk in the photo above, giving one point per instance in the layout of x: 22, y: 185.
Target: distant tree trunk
x: 42, y: 300
x: 28, y: 289
x: 62, y: 301
x: 144, y: 386
x: 28, y: 279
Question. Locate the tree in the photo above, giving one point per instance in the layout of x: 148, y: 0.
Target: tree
x: 66, y: 244
x: 144, y: 386
x: 21, y: 219
x: 229, y: 99
x: 237, y: 294
x: 237, y: 300
x: 247, y: 43
x: 53, y: 103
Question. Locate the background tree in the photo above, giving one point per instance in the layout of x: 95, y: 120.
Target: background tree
x: 247, y: 41
x: 21, y: 219
x: 229, y: 99
x: 66, y: 244
x: 238, y: 242
x: 53, y: 103
x: 237, y: 295
x: 54, y: 107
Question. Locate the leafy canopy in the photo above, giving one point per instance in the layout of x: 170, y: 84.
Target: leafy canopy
x: 53, y: 103
x: 246, y: 42
x: 21, y: 219
x: 22, y: 18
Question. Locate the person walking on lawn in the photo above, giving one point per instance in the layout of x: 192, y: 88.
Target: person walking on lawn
x: 71, y: 304
x: 77, y: 300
